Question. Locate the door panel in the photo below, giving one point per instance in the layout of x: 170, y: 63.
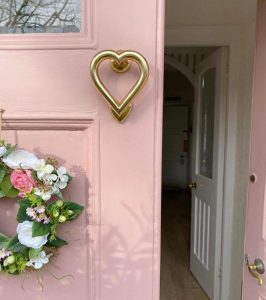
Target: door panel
x: 255, y: 245
x: 53, y: 108
x: 207, y: 170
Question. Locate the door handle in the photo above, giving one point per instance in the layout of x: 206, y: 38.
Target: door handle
x: 256, y: 269
x: 120, y: 63
x: 193, y: 185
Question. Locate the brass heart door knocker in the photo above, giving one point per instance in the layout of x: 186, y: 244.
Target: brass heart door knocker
x: 120, y: 62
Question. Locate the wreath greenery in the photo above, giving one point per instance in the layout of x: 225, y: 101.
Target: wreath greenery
x: 42, y: 209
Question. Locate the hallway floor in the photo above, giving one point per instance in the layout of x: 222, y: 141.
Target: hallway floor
x: 177, y: 282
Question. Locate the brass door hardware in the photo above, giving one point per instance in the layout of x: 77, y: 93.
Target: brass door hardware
x: 193, y: 185
x: 256, y: 269
x: 120, y: 63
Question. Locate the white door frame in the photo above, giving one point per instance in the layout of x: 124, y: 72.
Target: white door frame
x: 222, y: 36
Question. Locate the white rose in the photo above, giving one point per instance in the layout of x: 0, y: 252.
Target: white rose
x: 24, y: 231
x: 2, y: 150
x: 21, y: 159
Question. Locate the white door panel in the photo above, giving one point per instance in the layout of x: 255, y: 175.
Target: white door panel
x: 207, y: 170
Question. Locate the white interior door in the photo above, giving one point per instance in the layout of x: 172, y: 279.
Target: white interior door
x: 175, y: 138
x: 207, y: 170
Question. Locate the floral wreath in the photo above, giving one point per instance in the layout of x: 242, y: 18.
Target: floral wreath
x: 42, y: 208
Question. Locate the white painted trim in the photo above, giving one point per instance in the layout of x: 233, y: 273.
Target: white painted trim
x: 180, y: 67
x: 220, y: 36
x: 158, y: 131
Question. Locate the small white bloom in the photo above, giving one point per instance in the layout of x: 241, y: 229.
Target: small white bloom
x: 40, y: 209
x: 43, y: 169
x: 2, y: 150
x: 24, y: 231
x: 20, y: 159
x: 45, y: 195
x: 30, y: 212
x: 62, y: 180
x: 62, y: 174
x: 49, y: 179
x: 4, y: 253
x: 39, y: 261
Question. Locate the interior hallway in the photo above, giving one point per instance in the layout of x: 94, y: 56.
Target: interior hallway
x: 177, y: 282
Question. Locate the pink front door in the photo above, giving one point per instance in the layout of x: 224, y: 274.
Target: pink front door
x: 254, y: 285
x: 53, y: 109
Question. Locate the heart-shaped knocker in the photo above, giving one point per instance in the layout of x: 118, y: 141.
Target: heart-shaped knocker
x: 120, y: 62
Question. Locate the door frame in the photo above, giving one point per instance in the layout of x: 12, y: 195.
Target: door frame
x: 232, y: 37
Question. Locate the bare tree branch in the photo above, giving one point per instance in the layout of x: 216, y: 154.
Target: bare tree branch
x: 39, y: 13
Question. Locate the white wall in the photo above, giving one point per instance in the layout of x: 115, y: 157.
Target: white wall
x: 209, y: 12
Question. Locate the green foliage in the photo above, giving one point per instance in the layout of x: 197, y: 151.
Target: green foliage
x: 14, y: 245
x: 19, y: 264
x: 69, y: 178
x: 3, y: 241
x: 34, y: 200
x: 3, y: 172
x: 8, y: 190
x: 73, y: 207
x: 56, y: 242
x: 22, y: 215
x: 39, y: 229
x: 33, y: 253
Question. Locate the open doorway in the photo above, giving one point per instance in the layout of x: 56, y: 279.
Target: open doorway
x: 193, y: 138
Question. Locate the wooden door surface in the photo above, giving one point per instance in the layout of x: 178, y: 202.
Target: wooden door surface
x: 255, y: 245
x: 207, y: 171
x: 53, y: 109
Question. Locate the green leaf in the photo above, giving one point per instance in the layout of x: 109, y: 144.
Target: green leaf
x: 15, y: 246
x: 3, y: 240
x: 7, y: 188
x: 10, y: 149
x: 57, y: 243
x: 22, y: 215
x: 6, y: 184
x: 33, y: 253
x: 69, y: 178
x: 2, y: 195
x: 13, y: 193
x: 2, y: 172
x: 75, y: 208
x: 39, y: 229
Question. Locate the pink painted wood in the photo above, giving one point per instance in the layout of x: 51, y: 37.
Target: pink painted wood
x: 255, y: 245
x: 53, y: 108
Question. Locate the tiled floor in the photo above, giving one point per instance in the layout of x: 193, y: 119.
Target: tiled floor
x: 177, y: 282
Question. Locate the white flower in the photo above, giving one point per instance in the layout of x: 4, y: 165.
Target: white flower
x: 31, y: 212
x: 4, y: 253
x: 20, y: 159
x: 62, y: 174
x: 62, y: 180
x: 2, y: 150
x: 43, y: 169
x: 39, y: 261
x: 24, y: 231
x: 44, y: 194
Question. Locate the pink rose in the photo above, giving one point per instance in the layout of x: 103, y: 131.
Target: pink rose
x: 23, y: 181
